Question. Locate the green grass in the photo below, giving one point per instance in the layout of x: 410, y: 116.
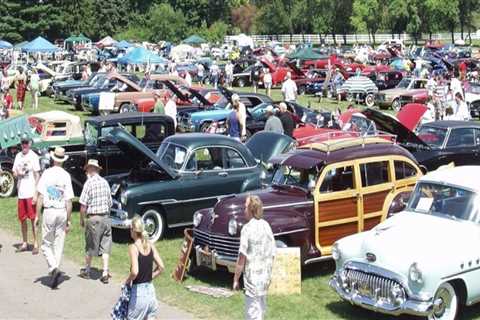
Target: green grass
x: 317, y: 301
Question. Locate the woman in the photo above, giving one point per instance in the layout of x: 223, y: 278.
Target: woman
x: 34, y: 88
x: 20, y: 83
x: 143, y: 302
x: 233, y: 123
x: 462, y: 112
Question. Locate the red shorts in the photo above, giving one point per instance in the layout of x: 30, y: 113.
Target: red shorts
x: 26, y: 210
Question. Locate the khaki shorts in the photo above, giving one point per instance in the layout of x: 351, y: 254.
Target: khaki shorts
x: 98, y: 235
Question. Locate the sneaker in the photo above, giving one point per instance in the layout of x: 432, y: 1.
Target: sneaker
x: 105, y: 278
x: 55, y: 278
x: 84, y: 273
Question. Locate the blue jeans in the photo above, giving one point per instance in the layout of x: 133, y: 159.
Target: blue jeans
x: 143, y: 303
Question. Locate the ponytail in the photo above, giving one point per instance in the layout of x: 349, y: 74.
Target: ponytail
x: 138, y: 228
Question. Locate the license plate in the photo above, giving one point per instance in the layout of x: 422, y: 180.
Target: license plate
x: 205, y: 259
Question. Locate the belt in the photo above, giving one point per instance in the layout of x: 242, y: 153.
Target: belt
x: 96, y: 214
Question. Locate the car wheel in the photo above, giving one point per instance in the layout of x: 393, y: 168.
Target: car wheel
x: 448, y: 306
x: 396, y: 104
x: 241, y: 82
x: 204, y: 127
x: 126, y: 107
x: 301, y: 90
x: 154, y: 224
x: 370, y: 100
x: 7, y: 183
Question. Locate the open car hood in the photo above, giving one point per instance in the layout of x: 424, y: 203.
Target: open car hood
x: 264, y: 145
x: 225, y: 92
x: 201, y: 98
x: 135, y: 150
x: 388, y: 123
x: 175, y: 90
x: 411, y: 114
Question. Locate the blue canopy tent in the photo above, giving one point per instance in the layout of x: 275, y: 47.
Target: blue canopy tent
x: 5, y: 45
x: 124, y: 44
x: 39, y: 45
x: 141, y: 56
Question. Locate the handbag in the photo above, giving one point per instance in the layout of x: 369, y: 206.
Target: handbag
x: 120, y: 309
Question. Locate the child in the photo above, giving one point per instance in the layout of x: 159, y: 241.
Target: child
x: 8, y: 100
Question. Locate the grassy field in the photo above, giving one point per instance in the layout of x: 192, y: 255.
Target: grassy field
x: 317, y: 301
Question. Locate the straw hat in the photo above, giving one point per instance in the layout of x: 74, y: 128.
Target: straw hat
x: 58, y: 155
x: 92, y: 163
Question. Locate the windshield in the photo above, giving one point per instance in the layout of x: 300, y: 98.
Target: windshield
x: 447, y: 201
x: 91, y: 134
x: 172, y: 155
x: 434, y: 137
x: 291, y: 176
x: 404, y: 83
x: 473, y: 89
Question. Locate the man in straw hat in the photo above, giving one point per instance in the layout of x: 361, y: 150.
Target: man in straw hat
x: 55, y: 194
x: 96, y: 201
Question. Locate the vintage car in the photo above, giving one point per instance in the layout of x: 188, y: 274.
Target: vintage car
x: 189, y: 172
x: 59, y: 88
x: 320, y: 193
x: 46, y: 130
x: 417, y: 96
x: 472, y: 98
x: 423, y: 261
x: 435, y: 143
x: 391, y: 97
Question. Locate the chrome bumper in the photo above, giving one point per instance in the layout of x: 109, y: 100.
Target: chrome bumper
x: 409, y: 306
x: 117, y: 221
x: 185, y: 128
x: 217, y: 260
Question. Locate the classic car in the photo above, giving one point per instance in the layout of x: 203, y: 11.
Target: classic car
x: 417, y: 96
x: 391, y: 97
x: 319, y: 194
x: 59, y: 88
x: 422, y: 261
x: 472, y: 98
x: 435, y: 143
x: 46, y: 130
x: 189, y: 172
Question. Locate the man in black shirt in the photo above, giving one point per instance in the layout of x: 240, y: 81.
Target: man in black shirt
x: 287, y: 120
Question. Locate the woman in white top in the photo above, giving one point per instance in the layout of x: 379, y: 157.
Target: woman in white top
x: 462, y: 112
x: 34, y: 87
x: 267, y: 82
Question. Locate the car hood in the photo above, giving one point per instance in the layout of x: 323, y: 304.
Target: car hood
x: 411, y: 114
x: 388, y: 123
x: 135, y: 150
x: 264, y: 145
x: 217, y: 114
x: 393, y: 92
x: 410, y: 237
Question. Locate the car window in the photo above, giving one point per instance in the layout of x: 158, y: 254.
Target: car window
x: 206, y: 159
x: 151, y: 132
x: 419, y: 85
x: 246, y: 102
x: 374, y: 173
x: 233, y: 159
x: 56, y: 129
x: 461, y: 137
x: 338, y: 179
x: 404, y: 170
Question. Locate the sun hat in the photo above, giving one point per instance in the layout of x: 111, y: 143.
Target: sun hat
x: 270, y: 109
x: 92, y: 163
x: 235, y: 97
x: 58, y: 155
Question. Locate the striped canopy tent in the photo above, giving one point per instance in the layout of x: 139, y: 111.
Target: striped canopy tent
x: 359, y: 84
x: 5, y: 45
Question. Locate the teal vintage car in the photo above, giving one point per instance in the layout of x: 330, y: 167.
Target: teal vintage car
x: 46, y: 129
x: 189, y: 172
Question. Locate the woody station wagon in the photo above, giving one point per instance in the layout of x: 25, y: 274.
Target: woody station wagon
x: 320, y: 193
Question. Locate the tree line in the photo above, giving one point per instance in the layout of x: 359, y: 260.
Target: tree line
x: 173, y: 20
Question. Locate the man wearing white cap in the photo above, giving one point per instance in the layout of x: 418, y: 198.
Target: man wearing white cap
x: 243, y: 114
x: 95, y: 204
x: 273, y: 123
x: 289, y: 88
x: 55, y: 194
x: 171, y: 107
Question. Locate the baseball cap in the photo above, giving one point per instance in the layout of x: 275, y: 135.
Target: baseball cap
x: 25, y: 138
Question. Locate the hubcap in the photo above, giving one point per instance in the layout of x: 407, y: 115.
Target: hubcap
x: 150, y: 226
x: 6, y: 183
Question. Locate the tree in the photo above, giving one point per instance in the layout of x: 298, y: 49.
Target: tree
x: 397, y: 16
x: 365, y: 16
x: 414, y: 22
x: 166, y: 23
x: 274, y: 19
x: 466, y: 10
x: 244, y: 17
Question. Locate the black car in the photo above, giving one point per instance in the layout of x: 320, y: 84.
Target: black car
x: 60, y: 88
x: 435, y: 143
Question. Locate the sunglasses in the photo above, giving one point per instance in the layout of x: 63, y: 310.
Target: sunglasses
x: 25, y: 143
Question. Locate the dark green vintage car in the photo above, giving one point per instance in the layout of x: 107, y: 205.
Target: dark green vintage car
x: 189, y: 172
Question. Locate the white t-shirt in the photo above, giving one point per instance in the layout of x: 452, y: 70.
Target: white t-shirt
x: 243, y: 118
x: 267, y: 78
x: 26, y: 165
x: 171, y: 110
x: 456, y: 86
x: 289, y: 90
x: 55, y: 186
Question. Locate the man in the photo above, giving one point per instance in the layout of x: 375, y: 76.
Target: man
x: 55, y: 194
x: 289, y: 89
x: 267, y: 82
x: 95, y: 203
x: 242, y: 110
x: 171, y: 107
x: 159, y: 106
x: 255, y: 75
x: 286, y: 118
x: 255, y: 259
x: 273, y: 124
x: 26, y: 168
x: 229, y: 74
x: 214, y: 74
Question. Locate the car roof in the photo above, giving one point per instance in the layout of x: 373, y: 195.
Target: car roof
x: 463, y: 176
x: 195, y: 140
x: 338, y: 150
x: 452, y: 124
x: 129, y: 117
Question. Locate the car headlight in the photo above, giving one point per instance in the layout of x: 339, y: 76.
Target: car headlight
x: 197, y: 218
x: 114, y: 188
x: 123, y: 198
x: 414, y: 274
x: 336, y: 254
x: 397, y: 294
x: 232, y: 227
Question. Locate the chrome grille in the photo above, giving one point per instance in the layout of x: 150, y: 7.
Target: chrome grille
x: 223, y: 245
x: 371, y: 285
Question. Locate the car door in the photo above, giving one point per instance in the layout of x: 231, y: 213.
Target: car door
x: 336, y: 205
x: 376, y: 182
x: 460, y: 148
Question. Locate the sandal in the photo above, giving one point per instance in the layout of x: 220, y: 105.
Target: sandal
x: 105, y: 279
x: 84, y: 274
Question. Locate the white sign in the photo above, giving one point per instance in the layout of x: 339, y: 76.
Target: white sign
x: 107, y: 101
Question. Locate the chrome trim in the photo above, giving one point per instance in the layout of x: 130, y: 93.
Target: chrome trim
x: 183, y: 224
x: 460, y: 273
x: 120, y: 224
x: 292, y: 231
x: 319, y: 259
x: 295, y: 204
x: 172, y: 201
x: 217, y: 259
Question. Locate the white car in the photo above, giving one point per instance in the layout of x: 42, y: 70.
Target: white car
x: 424, y: 261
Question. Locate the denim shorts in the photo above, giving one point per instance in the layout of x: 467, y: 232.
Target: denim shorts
x: 143, y: 303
